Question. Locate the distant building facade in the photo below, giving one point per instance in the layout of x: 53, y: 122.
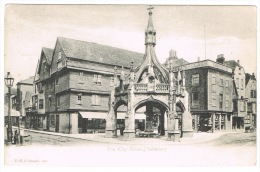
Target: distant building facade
x: 210, y: 88
x: 239, y: 96
x: 251, y: 87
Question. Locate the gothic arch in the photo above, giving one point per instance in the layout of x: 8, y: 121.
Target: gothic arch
x: 156, y: 102
x: 181, y: 106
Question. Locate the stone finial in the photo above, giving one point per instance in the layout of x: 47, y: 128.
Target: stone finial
x: 132, y: 66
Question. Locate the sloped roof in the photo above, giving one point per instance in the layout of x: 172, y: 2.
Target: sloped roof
x: 99, y: 53
x: 232, y: 64
x: 48, y: 52
x: 177, y: 62
x: 13, y: 112
x: 27, y: 81
x: 248, y: 76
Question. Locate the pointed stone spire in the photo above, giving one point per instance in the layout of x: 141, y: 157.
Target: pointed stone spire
x: 150, y: 32
x: 150, y: 21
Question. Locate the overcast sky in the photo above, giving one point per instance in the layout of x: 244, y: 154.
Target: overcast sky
x: 230, y: 30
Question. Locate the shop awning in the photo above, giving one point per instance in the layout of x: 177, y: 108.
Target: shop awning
x: 12, y: 112
x: 95, y: 115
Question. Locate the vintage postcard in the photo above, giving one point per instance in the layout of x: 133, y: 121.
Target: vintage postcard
x: 127, y: 85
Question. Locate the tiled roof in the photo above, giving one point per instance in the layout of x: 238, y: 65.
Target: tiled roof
x: 27, y: 81
x: 248, y: 76
x: 178, y: 62
x: 48, y: 52
x: 232, y: 64
x: 99, y: 53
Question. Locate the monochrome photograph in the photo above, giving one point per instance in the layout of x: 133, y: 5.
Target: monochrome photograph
x: 129, y: 85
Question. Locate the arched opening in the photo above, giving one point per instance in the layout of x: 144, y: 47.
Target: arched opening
x: 150, y: 116
x: 180, y: 109
x: 120, y: 109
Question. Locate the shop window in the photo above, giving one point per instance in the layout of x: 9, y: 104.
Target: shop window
x: 97, y: 79
x: 96, y: 123
x: 52, y: 121
x: 195, y: 79
x: 79, y: 98
x: 95, y: 100
x: 195, y: 99
x: 40, y: 103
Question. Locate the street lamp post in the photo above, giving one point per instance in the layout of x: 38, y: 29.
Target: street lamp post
x: 9, y: 80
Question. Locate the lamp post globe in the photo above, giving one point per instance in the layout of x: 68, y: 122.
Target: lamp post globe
x: 9, y: 80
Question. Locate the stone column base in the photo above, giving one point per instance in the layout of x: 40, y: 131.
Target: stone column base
x: 187, y: 133
x: 174, y: 136
x: 128, y: 135
x: 110, y: 134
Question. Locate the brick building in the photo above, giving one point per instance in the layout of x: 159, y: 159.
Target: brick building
x: 210, y: 89
x: 239, y: 95
x: 73, y: 83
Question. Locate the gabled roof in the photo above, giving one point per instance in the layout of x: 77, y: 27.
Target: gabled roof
x: 99, y: 53
x: 232, y: 63
x: 248, y: 77
x: 27, y: 81
x: 48, y: 53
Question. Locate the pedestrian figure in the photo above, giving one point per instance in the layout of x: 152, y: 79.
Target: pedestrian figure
x: 15, y: 137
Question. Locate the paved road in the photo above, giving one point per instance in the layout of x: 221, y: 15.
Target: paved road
x: 237, y: 149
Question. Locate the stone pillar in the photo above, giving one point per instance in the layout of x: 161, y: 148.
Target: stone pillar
x: 213, y: 122
x: 195, y: 123
x: 110, y: 124
x: 149, y: 115
x: 226, y: 122
x: 187, y: 130
x: 219, y: 121
x: 73, y: 123
x: 165, y: 123
x: 231, y: 122
x: 129, y: 132
x: 250, y: 118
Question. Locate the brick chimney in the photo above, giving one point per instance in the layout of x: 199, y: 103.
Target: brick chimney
x: 238, y: 62
x: 172, y: 54
x: 220, y: 58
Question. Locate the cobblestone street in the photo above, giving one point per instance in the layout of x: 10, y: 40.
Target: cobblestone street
x: 233, y: 149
